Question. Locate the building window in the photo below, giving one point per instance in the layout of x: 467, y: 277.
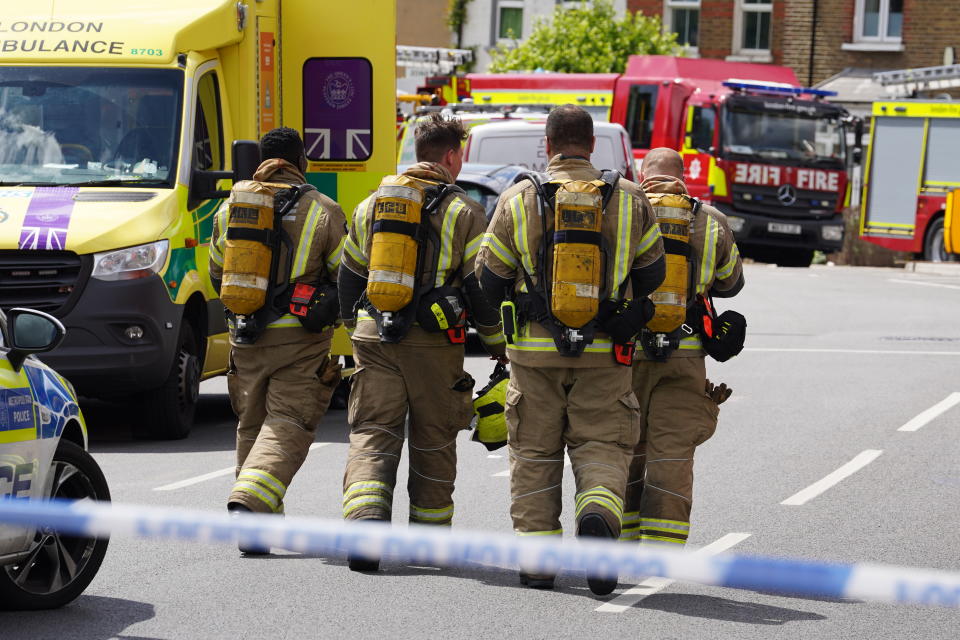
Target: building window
x: 755, y: 20
x: 683, y: 18
x: 879, y: 21
x: 510, y: 20
x: 752, y: 28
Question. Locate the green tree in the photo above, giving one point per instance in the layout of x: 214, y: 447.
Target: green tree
x: 586, y: 39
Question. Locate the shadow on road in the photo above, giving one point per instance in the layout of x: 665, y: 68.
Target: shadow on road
x: 86, y: 618
x: 714, y: 608
x: 112, y: 427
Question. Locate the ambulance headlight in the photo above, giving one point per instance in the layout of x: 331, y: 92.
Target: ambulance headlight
x: 736, y: 224
x: 132, y: 262
x: 833, y: 232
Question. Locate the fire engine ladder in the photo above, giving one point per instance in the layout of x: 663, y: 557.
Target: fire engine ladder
x: 432, y: 59
x: 907, y: 81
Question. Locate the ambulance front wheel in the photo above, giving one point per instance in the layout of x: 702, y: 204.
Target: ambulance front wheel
x: 169, y: 410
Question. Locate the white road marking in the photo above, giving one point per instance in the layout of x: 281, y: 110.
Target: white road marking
x: 214, y: 474
x: 857, y: 351
x: 494, y: 456
x: 924, y: 284
x: 933, y: 412
x: 650, y: 586
x: 863, y: 459
x: 506, y: 472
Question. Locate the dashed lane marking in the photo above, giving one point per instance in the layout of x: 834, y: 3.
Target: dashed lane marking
x: 933, y: 412
x: 214, y: 474
x: 650, y: 586
x: 921, y: 283
x: 857, y: 351
x: 863, y: 459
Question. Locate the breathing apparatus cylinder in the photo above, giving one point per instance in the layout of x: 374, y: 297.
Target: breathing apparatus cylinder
x: 249, y: 247
x: 577, y: 267
x: 392, y: 281
x: 675, y: 213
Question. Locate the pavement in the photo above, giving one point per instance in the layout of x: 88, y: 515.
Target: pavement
x: 838, y: 360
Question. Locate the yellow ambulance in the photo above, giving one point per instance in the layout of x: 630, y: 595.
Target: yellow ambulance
x: 118, y: 123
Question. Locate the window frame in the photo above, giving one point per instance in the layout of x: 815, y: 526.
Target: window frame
x: 507, y: 4
x: 859, y: 17
x: 198, y: 109
x: 741, y: 9
x: 668, y: 8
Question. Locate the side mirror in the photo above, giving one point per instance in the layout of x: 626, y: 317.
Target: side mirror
x: 857, y: 155
x: 31, y: 331
x: 858, y: 133
x: 246, y: 159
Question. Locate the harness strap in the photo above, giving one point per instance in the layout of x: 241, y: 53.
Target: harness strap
x: 578, y: 236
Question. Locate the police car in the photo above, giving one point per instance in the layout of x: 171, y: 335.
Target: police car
x: 43, y: 441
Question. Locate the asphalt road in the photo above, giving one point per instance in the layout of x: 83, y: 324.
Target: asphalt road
x: 838, y: 359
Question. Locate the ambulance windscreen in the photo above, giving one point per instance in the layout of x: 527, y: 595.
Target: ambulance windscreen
x: 69, y: 126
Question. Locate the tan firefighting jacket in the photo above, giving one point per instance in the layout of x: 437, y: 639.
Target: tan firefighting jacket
x: 512, y: 245
x: 317, y: 229
x: 459, y: 223
x: 714, y: 255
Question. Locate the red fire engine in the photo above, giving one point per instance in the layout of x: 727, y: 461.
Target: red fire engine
x: 767, y: 152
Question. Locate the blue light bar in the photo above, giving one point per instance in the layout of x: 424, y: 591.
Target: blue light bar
x: 776, y: 88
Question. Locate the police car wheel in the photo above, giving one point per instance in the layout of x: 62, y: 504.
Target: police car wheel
x: 57, y: 568
x: 169, y: 410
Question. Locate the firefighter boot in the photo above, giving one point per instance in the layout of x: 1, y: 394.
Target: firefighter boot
x: 362, y: 563
x: 593, y: 525
x: 246, y: 548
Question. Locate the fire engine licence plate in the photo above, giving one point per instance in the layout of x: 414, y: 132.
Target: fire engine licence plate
x: 780, y: 227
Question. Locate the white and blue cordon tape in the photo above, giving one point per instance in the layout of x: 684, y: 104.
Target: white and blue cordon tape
x: 455, y: 548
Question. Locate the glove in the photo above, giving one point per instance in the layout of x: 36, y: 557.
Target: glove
x: 627, y: 320
x: 718, y: 393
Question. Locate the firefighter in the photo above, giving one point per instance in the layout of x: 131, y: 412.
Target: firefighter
x: 570, y: 387
x: 678, y: 405
x: 409, y: 352
x: 281, y: 376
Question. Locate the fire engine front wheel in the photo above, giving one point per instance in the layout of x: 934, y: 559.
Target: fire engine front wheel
x: 168, y: 411
x: 934, y: 249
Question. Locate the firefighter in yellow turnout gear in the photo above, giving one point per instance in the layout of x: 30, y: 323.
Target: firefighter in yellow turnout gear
x: 407, y: 288
x: 678, y: 405
x: 567, y: 390
x: 281, y: 377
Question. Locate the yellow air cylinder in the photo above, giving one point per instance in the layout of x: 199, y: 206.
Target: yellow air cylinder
x: 577, y: 267
x: 674, y: 214
x: 393, y: 251
x: 246, y: 261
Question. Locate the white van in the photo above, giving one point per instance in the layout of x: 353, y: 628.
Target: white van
x: 523, y: 143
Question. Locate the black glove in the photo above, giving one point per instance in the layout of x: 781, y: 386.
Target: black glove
x: 625, y: 319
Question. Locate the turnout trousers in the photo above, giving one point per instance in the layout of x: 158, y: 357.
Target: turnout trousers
x: 391, y: 382
x: 590, y: 412
x: 677, y: 417
x: 279, y: 393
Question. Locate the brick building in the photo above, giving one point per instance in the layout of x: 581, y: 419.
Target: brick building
x: 871, y: 34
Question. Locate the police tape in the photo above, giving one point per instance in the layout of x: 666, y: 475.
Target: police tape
x: 421, y: 545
